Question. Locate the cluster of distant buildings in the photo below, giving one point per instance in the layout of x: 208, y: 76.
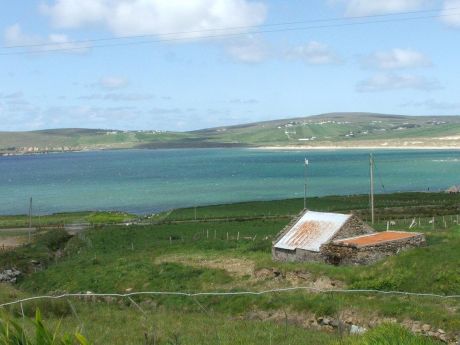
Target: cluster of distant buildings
x: 14, y: 151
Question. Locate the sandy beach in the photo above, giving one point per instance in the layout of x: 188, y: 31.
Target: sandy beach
x: 364, y: 147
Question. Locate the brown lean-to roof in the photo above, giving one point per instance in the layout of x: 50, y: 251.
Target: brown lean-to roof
x: 375, y: 239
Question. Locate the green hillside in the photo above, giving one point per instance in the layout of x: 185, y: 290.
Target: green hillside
x: 329, y: 130
x: 345, y: 129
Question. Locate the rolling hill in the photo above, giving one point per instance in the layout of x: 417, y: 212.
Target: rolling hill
x: 326, y: 130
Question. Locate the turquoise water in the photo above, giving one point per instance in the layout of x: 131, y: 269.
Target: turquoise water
x: 144, y: 181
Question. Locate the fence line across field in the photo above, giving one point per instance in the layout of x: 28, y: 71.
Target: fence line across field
x: 230, y: 294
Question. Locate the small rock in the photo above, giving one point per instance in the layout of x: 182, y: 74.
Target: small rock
x: 426, y: 328
x: 327, y: 328
x: 326, y: 321
x: 9, y: 276
x: 334, y: 323
x: 276, y: 273
x: 357, y: 330
x: 349, y: 320
x: 416, y: 328
x: 441, y: 331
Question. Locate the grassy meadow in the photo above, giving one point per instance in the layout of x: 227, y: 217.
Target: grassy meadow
x: 228, y: 248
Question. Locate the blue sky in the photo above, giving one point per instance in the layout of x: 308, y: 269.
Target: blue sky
x: 407, y: 66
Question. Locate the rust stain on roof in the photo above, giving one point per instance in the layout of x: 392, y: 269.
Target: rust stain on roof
x: 312, y: 230
x: 377, y: 238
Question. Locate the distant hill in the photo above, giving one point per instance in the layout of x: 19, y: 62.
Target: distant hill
x: 326, y: 130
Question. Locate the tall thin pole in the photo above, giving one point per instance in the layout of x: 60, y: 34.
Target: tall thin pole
x: 30, y: 218
x: 371, y: 171
x: 305, y: 184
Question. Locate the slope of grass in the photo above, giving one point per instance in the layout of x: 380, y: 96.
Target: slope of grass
x: 336, y: 128
x: 401, y: 204
x: 230, y: 256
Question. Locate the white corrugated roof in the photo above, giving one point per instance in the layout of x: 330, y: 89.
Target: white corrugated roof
x: 312, y: 230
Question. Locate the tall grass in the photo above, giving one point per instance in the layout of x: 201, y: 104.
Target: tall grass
x: 12, y: 333
x: 388, y: 335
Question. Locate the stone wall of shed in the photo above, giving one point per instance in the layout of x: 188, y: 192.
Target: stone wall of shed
x: 342, y: 254
x: 286, y: 255
x: 353, y: 227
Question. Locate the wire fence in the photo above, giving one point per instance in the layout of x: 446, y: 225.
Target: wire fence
x: 229, y: 294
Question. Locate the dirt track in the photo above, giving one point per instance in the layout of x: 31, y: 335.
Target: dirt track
x: 11, y: 242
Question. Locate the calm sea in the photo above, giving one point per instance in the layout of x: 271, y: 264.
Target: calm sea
x: 144, y: 181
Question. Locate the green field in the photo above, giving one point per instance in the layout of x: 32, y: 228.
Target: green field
x: 335, y: 129
x: 62, y: 219
x: 228, y: 248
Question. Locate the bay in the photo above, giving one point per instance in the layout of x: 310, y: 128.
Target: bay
x: 148, y: 181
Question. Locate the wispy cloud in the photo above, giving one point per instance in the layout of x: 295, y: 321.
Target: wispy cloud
x: 118, y: 97
x: 372, y: 7
x: 433, y: 104
x: 396, y: 58
x: 390, y: 81
x: 248, y: 50
x: 14, y: 36
x: 113, y: 82
x: 315, y: 53
x: 244, y: 101
x: 451, y: 17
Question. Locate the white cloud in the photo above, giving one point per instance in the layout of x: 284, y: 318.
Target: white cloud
x: 113, y: 82
x: 433, y: 104
x: 386, y: 82
x: 315, y: 53
x: 451, y: 17
x: 134, y: 17
x: 397, y: 59
x: 15, y: 36
x: 373, y: 7
x: 249, y: 50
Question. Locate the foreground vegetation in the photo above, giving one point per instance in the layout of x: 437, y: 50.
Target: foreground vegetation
x: 129, y: 328
x: 228, y: 248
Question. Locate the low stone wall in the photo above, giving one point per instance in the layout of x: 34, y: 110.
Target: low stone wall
x: 345, y: 254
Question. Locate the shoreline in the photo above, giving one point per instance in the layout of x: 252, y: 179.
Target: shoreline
x: 266, y: 148
x: 368, y: 147
x: 59, y: 213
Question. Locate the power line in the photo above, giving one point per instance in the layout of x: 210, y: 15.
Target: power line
x: 226, y: 28
x: 207, y: 36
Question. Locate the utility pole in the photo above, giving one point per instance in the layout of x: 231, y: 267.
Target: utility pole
x: 371, y: 171
x: 305, y: 184
x: 30, y: 218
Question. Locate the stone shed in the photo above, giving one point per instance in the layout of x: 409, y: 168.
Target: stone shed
x: 367, y: 249
x: 301, y: 240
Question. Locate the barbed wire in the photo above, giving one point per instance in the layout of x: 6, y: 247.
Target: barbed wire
x: 228, y: 294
